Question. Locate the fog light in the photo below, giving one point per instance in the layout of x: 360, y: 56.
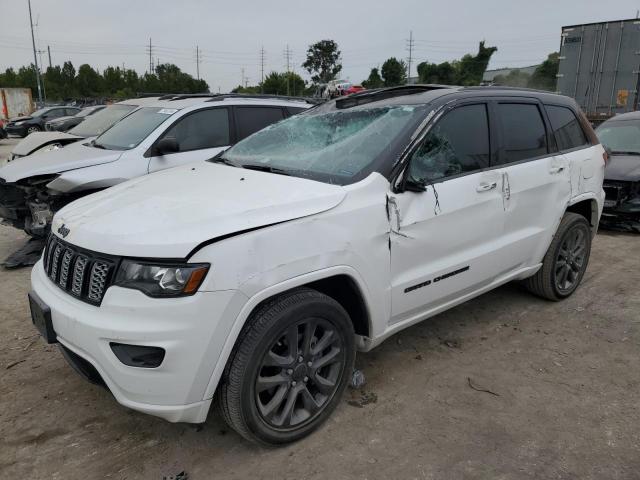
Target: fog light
x: 138, y: 355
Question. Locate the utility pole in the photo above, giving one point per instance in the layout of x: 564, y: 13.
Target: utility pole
x: 287, y: 55
x: 150, y: 57
x: 410, y: 45
x: 262, y: 69
x: 197, y: 62
x: 49, y: 51
x: 35, y: 57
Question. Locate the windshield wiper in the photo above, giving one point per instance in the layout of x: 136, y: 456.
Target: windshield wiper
x: 97, y: 145
x: 267, y: 168
x: 220, y: 159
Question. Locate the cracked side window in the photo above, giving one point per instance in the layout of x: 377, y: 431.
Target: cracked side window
x: 458, y: 143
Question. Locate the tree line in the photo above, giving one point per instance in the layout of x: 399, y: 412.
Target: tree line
x: 65, y: 83
x: 323, y: 63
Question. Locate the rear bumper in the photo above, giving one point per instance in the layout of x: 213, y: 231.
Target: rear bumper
x: 20, y: 131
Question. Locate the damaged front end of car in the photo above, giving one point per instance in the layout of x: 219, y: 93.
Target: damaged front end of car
x: 30, y: 204
x: 621, y: 206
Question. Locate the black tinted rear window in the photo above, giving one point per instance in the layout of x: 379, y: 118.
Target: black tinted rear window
x: 251, y: 119
x: 524, y: 135
x: 566, y: 127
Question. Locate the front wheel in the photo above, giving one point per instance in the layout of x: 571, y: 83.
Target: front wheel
x: 33, y: 129
x: 566, y: 260
x: 288, y: 369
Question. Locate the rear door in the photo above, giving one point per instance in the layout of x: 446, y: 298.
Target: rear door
x: 446, y: 240
x: 537, y: 184
x: 200, y: 135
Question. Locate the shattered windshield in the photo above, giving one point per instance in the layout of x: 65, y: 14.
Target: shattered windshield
x: 620, y: 136
x: 133, y: 129
x: 98, y: 122
x: 335, y: 147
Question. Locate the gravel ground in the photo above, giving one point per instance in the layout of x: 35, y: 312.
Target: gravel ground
x: 506, y: 386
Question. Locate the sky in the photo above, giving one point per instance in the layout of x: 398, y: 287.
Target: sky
x: 230, y: 34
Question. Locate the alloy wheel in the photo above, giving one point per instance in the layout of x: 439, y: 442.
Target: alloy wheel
x: 299, y: 374
x: 570, y: 261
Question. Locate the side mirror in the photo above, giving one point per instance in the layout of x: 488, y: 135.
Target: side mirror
x: 167, y: 145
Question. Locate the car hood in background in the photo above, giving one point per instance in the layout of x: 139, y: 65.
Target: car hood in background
x: 169, y: 213
x: 20, y: 119
x: 37, y: 140
x: 74, y: 156
x: 623, y: 168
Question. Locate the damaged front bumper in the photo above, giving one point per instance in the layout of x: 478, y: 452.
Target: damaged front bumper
x: 621, y: 206
x: 29, y: 205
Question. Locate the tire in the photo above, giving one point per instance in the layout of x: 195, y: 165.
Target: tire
x: 564, y: 260
x: 32, y: 129
x: 263, y: 377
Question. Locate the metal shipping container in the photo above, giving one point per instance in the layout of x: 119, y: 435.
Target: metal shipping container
x: 15, y: 102
x: 600, y: 66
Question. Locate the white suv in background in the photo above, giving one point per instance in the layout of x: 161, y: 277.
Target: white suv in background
x: 256, y: 275
x: 168, y: 132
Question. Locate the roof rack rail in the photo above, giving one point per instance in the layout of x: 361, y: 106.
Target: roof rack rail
x: 505, y: 87
x: 182, y: 96
x: 222, y: 96
x: 367, y: 96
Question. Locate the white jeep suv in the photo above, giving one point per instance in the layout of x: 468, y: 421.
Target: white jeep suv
x: 256, y: 275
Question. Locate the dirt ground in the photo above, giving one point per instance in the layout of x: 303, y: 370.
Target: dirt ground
x: 506, y: 386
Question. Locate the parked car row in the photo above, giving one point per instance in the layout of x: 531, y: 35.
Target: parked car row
x: 252, y: 274
x: 35, y: 122
x: 147, y: 135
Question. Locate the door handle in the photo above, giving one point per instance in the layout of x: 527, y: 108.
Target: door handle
x: 483, y: 187
x: 556, y: 169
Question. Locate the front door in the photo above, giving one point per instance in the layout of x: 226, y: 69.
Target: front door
x: 446, y: 240
x: 200, y: 135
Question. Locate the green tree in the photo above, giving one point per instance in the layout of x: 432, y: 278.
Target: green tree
x: 323, y: 61
x: 515, y: 78
x: 394, y: 72
x: 9, y: 78
x: 374, y: 80
x: 276, y: 84
x: 68, y: 73
x: 113, y: 80
x: 88, y: 81
x: 466, y: 71
x: 544, y: 77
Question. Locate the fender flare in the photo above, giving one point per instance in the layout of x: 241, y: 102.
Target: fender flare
x: 269, y: 292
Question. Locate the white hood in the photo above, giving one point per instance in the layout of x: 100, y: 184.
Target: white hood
x: 71, y: 157
x: 36, y: 140
x: 169, y: 213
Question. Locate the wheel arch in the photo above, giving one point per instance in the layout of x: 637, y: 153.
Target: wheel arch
x: 587, y: 206
x: 343, y: 283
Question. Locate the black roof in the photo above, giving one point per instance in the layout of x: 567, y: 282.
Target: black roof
x: 428, y: 94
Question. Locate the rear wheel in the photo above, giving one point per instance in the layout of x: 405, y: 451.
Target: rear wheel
x: 289, y: 368
x: 566, y: 260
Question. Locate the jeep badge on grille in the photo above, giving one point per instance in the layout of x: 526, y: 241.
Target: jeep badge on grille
x: 64, y: 231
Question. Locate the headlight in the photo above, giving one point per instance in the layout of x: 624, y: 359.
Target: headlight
x: 17, y: 124
x: 161, y: 280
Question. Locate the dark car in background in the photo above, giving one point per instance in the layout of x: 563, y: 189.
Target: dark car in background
x: 23, y: 126
x: 62, y: 124
x: 621, y: 137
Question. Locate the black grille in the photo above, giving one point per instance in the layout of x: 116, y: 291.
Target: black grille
x: 84, y: 274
